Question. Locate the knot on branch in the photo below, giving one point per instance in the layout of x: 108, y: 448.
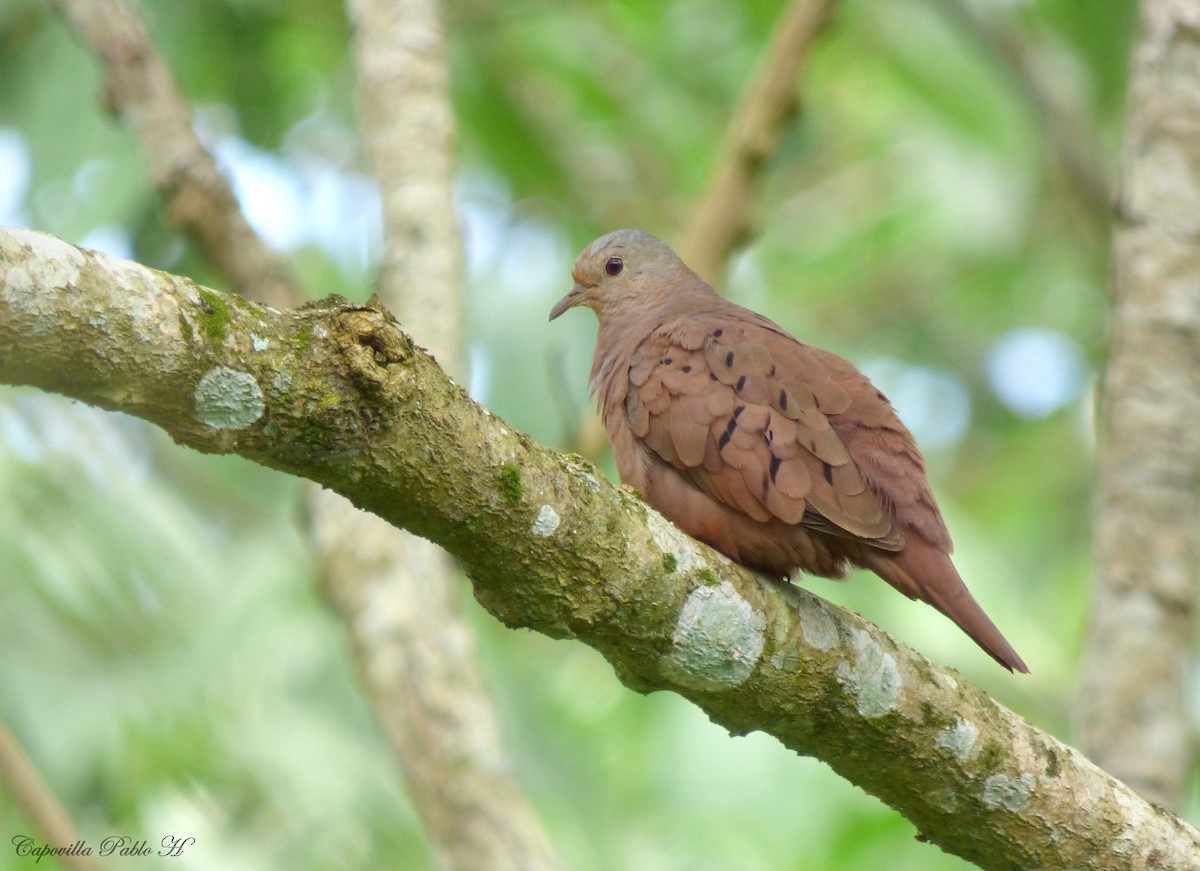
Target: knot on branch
x: 372, y: 344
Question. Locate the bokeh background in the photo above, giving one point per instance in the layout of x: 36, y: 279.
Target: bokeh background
x: 165, y: 655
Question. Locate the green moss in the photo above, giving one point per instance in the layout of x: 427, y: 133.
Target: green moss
x: 185, y: 328
x: 1053, y: 765
x: 470, y: 526
x: 303, y: 337
x: 214, y: 318
x: 668, y: 562
x: 706, y: 575
x: 510, y: 482
x: 937, y: 719
x: 932, y: 717
x: 315, y: 436
x: 991, y: 757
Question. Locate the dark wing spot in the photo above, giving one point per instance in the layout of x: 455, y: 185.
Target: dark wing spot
x: 712, y: 376
x: 668, y: 361
x: 717, y: 333
x: 775, y: 461
x: 783, y: 400
x: 764, y: 485
x: 738, y: 411
x: 772, y: 372
x: 729, y: 359
x: 687, y: 368
x: 727, y: 435
x: 827, y: 471
x: 741, y: 382
x: 817, y: 401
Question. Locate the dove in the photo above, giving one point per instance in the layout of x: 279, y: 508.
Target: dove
x: 780, y: 455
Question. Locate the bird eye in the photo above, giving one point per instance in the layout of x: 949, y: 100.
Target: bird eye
x: 614, y: 265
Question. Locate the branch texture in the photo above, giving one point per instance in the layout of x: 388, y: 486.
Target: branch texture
x: 339, y: 394
x: 1134, y: 711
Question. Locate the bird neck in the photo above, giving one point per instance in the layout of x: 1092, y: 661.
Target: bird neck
x: 624, y: 325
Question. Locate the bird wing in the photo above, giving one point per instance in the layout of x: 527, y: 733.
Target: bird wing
x: 750, y: 416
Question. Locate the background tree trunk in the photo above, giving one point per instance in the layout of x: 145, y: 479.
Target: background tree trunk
x: 398, y: 593
x: 1133, y: 712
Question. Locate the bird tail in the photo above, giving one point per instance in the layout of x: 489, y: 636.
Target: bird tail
x: 922, y: 571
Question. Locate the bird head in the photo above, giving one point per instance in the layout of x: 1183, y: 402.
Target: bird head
x: 626, y: 268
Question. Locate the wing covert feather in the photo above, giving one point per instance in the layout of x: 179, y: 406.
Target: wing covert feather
x: 743, y: 411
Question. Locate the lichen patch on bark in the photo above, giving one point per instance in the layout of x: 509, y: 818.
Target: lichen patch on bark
x: 872, y: 676
x: 717, y: 641
x: 228, y: 399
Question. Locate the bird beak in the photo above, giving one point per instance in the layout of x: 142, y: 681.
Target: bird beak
x: 573, y: 298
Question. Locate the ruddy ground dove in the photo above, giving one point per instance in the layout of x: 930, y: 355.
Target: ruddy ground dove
x: 778, y: 454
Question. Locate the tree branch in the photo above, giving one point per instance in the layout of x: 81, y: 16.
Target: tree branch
x: 339, y: 394
x: 1134, y: 709
x: 38, y: 803
x: 722, y: 217
x: 196, y: 195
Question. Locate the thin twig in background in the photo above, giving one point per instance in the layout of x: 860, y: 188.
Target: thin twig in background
x: 38, y: 803
x: 196, y: 195
x: 723, y: 217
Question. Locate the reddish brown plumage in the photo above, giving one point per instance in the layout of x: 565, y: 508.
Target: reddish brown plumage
x: 778, y: 454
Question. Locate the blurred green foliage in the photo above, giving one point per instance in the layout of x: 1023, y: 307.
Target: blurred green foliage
x: 168, y: 662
